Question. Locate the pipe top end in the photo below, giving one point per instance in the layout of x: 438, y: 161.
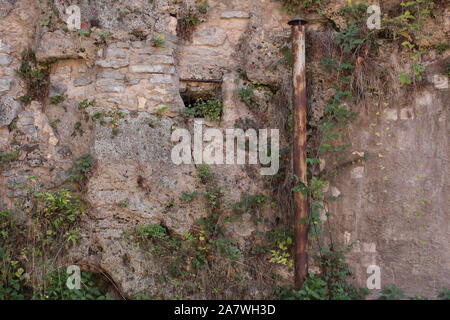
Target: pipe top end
x: 297, y: 22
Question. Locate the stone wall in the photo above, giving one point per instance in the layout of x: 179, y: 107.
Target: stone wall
x: 394, y: 205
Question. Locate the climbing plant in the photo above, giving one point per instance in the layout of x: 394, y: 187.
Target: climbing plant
x: 334, y: 278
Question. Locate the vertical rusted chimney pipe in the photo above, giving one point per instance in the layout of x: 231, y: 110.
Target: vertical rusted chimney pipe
x: 299, y: 153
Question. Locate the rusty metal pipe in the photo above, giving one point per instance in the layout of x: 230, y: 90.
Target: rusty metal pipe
x: 299, y: 152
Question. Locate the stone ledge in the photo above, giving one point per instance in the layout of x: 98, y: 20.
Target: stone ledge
x: 82, y: 81
x: 115, y: 64
x: 153, y: 50
x: 116, y: 53
x: 154, y: 59
x: 110, y: 74
x: 213, y: 37
x: 147, y: 68
x: 160, y: 79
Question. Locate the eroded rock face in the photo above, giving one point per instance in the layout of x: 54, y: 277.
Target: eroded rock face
x: 5, y: 7
x: 8, y: 110
x: 125, y: 80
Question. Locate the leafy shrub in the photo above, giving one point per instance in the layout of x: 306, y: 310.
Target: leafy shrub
x: 152, y: 232
x: 226, y: 248
x: 50, y: 228
x: 56, y: 213
x: 412, y: 17
x: 349, y: 38
x: 392, y: 292
x: 247, y: 95
x: 444, y: 294
x: 442, y: 47
x: 11, y: 271
x: 54, y: 288
x: 417, y: 71
x: 187, y: 24
x: 86, y: 103
x: 315, y: 287
x: 282, y: 255
x: 210, y: 109
x: 209, y: 224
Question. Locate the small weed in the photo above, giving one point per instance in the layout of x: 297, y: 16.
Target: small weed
x: 203, y: 6
x: 8, y: 157
x: 83, y: 105
x: 25, y: 99
x: 417, y: 71
x: 158, y: 41
x: 57, y: 99
x: 188, y: 197
x: 161, y: 111
x: 152, y: 123
x: 170, y: 204
x: 442, y: 47
x: 81, y: 170
x: 123, y: 204
x: 204, y: 173
x: 97, y: 116
x: 287, y: 59
x: 213, y: 198
x: 404, y: 78
x: 77, y: 129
